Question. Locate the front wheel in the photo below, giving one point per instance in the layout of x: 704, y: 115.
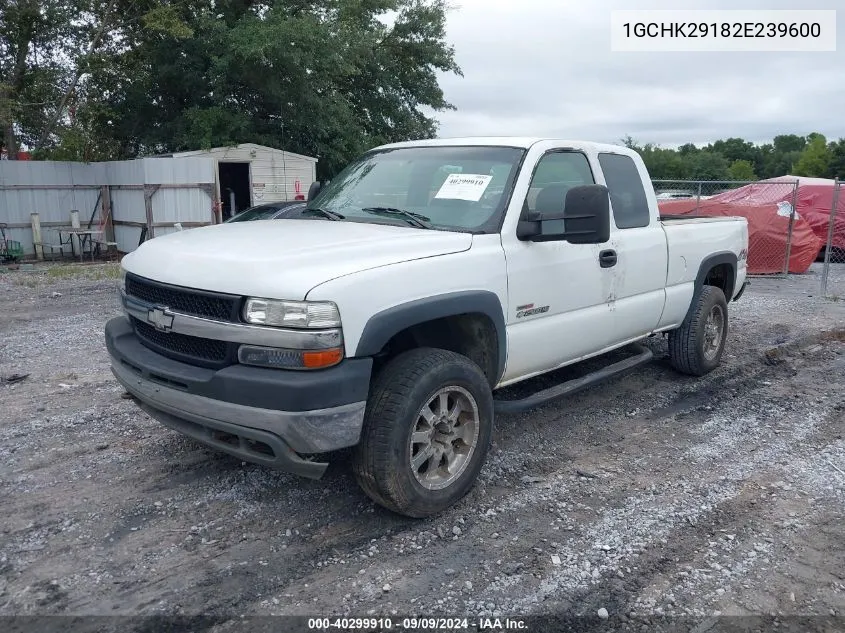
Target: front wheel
x: 426, y: 433
x: 696, y: 347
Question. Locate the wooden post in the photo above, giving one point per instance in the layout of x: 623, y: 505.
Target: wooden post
x: 108, y: 221
x: 36, y: 235
x: 74, y: 222
x: 216, y: 212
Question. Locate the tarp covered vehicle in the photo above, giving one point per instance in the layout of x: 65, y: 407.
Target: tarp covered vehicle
x: 767, y: 205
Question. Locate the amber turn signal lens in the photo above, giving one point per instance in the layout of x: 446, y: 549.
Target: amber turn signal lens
x: 277, y: 358
x: 323, y: 358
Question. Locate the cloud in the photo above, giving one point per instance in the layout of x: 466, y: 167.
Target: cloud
x: 545, y: 68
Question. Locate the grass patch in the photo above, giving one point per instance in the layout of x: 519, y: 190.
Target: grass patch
x: 93, y: 271
x: 57, y: 273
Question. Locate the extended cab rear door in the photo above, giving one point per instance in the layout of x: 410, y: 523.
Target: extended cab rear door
x: 637, y: 290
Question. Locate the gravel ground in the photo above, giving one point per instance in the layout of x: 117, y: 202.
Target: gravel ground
x: 652, y: 496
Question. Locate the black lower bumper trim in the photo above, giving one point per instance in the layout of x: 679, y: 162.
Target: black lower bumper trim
x: 251, y: 445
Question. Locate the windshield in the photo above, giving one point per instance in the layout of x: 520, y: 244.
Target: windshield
x: 255, y: 213
x: 452, y: 188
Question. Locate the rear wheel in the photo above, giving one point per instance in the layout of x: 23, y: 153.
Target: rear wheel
x: 696, y: 347
x: 426, y: 433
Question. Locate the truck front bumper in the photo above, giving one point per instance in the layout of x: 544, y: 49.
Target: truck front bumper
x: 271, y: 417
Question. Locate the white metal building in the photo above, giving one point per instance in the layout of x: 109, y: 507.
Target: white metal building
x: 255, y: 174
x: 144, y: 198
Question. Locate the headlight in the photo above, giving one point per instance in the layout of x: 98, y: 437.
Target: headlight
x: 295, y: 314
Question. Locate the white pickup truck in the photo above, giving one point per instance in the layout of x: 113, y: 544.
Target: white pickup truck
x: 419, y: 282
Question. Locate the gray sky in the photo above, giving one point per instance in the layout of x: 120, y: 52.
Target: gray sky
x: 545, y: 68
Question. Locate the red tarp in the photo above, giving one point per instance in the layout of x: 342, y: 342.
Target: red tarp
x: 22, y: 155
x: 767, y: 205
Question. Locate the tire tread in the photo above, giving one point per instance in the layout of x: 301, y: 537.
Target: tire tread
x: 387, y: 406
x: 683, y: 342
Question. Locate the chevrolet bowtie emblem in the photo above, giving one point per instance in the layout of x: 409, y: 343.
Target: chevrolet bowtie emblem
x: 161, y: 319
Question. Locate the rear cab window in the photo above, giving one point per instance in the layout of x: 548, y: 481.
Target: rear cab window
x: 627, y: 195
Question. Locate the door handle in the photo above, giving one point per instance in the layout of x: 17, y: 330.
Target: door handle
x: 607, y: 258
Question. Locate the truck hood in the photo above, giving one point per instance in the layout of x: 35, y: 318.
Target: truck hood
x: 282, y: 259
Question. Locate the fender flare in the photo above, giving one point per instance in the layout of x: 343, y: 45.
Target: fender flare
x: 711, y: 261
x: 384, y: 325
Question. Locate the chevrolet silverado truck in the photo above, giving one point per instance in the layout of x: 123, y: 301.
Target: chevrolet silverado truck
x: 416, y: 285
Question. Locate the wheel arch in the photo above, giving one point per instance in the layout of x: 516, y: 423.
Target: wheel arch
x: 470, y: 322
x: 718, y: 269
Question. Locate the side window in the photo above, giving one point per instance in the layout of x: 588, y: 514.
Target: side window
x: 627, y: 195
x: 557, y: 173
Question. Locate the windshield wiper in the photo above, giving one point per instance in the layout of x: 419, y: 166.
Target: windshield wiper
x: 414, y: 219
x: 331, y: 215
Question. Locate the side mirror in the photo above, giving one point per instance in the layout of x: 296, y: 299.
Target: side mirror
x: 587, y: 214
x: 313, y: 190
x: 583, y: 219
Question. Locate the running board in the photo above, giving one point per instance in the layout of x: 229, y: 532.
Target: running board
x: 573, y: 386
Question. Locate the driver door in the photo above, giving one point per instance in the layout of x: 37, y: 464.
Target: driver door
x: 557, y: 291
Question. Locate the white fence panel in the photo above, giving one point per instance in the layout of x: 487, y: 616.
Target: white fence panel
x: 53, y: 189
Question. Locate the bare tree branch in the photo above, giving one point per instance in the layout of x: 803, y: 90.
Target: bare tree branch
x: 51, y: 124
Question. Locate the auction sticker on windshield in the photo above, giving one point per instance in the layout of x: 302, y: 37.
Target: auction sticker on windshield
x: 464, y: 187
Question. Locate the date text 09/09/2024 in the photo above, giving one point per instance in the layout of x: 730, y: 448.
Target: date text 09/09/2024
x: 417, y: 624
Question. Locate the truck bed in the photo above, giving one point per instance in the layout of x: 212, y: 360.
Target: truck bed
x: 692, y: 239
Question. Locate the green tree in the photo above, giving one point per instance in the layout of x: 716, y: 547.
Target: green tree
x: 774, y: 163
x: 34, y: 36
x: 836, y: 166
x: 734, y: 149
x: 326, y: 79
x: 49, y: 52
x: 737, y: 159
x: 665, y: 164
x: 629, y: 142
x: 742, y: 170
x: 785, y: 143
x: 815, y: 159
x: 707, y: 165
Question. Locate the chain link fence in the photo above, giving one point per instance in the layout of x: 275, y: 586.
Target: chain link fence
x: 833, y: 271
x: 769, y: 207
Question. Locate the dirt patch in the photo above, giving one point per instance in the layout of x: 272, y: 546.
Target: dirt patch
x: 655, y: 497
